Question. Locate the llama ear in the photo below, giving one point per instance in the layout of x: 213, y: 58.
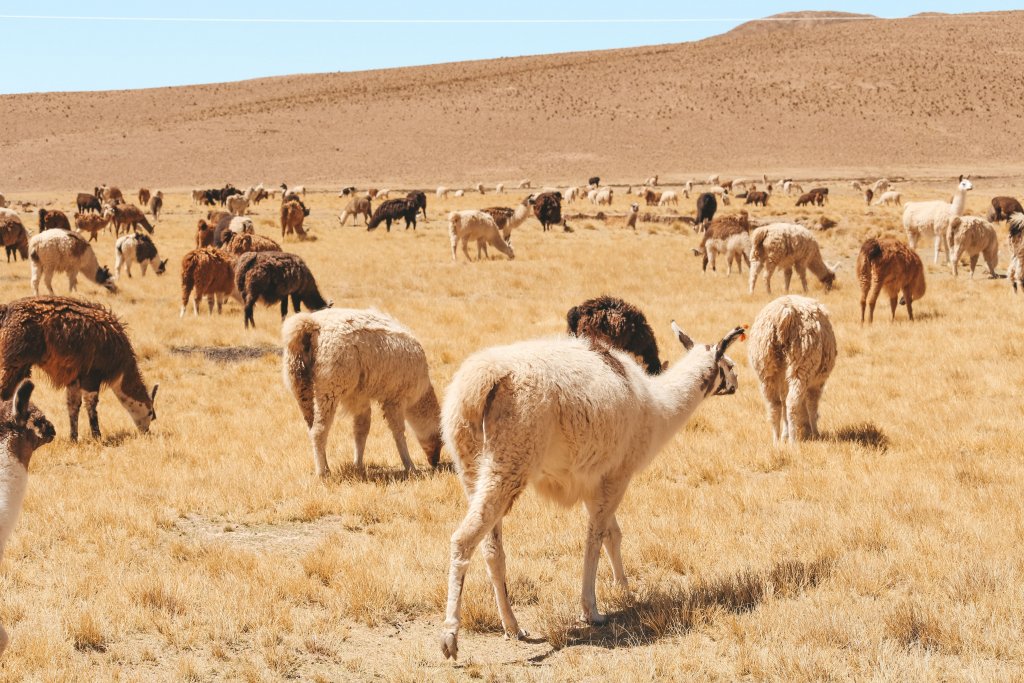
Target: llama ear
x: 961, y: 177
x: 683, y: 338
x: 152, y: 395
x: 727, y: 340
x: 20, y: 404
x: 835, y: 266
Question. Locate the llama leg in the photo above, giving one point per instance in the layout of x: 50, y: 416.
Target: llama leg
x: 768, y: 272
x: 910, y: 302
x: 795, y: 410
x: 395, y: 417
x: 755, y: 270
x: 455, y: 246
x: 360, y: 430
x: 938, y: 244
x: 465, y: 248
x: 876, y: 289
x: 323, y: 417
x: 773, y: 402
x: 91, y: 398
x: 813, y: 399
x: 802, y: 272
x: 601, y: 510
x: 48, y: 281
x: 787, y: 277
x: 486, y: 509
x: 613, y: 547
x: 284, y: 307
x: 494, y: 556
x: 974, y: 264
x: 209, y: 302
x: 74, y: 401
x: 296, y: 303
x: 249, y: 320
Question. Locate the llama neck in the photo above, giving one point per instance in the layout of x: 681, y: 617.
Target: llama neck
x: 677, y: 393
x: 959, y: 202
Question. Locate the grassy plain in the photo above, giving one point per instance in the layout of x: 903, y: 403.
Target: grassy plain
x: 207, y: 550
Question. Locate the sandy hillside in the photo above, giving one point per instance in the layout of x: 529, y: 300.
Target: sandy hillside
x: 866, y: 96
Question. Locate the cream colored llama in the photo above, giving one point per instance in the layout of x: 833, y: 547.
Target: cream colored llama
x: 577, y: 420
x: 933, y: 217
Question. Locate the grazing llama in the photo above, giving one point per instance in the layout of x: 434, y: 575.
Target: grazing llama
x: 351, y: 358
x: 889, y: 264
x: 578, y: 420
x: 792, y: 349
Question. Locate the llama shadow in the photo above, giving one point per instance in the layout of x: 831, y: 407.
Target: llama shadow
x: 926, y: 316
x: 385, y: 474
x: 865, y: 434
x: 114, y: 439
x: 661, y: 613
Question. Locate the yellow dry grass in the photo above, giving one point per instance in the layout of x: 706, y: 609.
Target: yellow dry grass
x: 208, y: 551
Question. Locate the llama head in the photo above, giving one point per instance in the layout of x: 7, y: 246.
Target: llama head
x: 722, y: 379
x: 161, y: 267
x: 23, y: 427
x: 103, y: 275
x: 140, y: 408
x: 965, y: 184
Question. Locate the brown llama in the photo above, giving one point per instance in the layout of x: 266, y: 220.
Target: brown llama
x: 14, y: 236
x: 93, y: 223
x: 273, y: 276
x: 156, y: 205
x: 144, y: 196
x: 208, y: 271
x: 293, y: 214
x: 80, y: 346
x: 204, y: 234
x: 619, y: 324
x: 23, y: 430
x: 53, y: 220
x: 237, y: 244
x: 129, y: 217
x: 890, y: 264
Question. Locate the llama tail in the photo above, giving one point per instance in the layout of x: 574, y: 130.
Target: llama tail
x: 299, y: 336
x: 757, y: 245
x: 871, y: 249
x: 471, y: 410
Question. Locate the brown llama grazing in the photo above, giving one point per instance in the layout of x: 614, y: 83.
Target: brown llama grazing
x: 156, y: 205
x: 93, y: 223
x: 292, y: 216
x: 53, y: 220
x: 129, y: 217
x: 79, y: 346
x: 14, y: 236
x: 23, y: 430
x: 820, y: 195
x: 274, y: 277
x: 88, y: 202
x: 651, y: 197
x: 391, y: 210
x: 144, y: 195
x: 113, y: 195
x: 237, y: 244
x: 209, y: 272
x: 757, y: 198
x: 890, y: 264
x: 1002, y: 208
x: 612, y: 321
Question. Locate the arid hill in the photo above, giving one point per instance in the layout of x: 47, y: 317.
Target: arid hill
x: 840, y: 93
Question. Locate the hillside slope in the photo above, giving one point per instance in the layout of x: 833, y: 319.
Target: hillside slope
x: 937, y: 91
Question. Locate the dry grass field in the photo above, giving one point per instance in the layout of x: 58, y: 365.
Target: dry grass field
x: 207, y: 550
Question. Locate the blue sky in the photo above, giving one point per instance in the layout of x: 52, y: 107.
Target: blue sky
x: 65, y: 53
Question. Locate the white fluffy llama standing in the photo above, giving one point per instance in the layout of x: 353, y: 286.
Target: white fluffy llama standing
x: 350, y: 358
x: 933, y: 217
x: 575, y: 419
x: 792, y: 349
x: 23, y: 429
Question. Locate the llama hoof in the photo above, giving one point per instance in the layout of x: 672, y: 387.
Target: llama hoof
x: 450, y: 645
x: 595, y: 619
x: 521, y: 634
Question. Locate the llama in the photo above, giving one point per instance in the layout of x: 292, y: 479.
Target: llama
x: 480, y: 188
x: 351, y: 358
x: 1016, y: 241
x: 934, y: 217
x: 618, y: 324
x: 480, y: 227
x: 729, y: 235
x: 972, y: 236
x: 419, y: 198
x: 886, y: 263
x: 520, y: 414
x: 392, y: 210
x: 506, y: 219
x: 53, y: 220
x: 13, y: 235
x: 137, y: 248
x: 209, y: 272
x: 890, y: 198
x: 88, y: 203
x: 23, y: 430
x: 57, y: 251
x: 93, y: 223
x: 129, y: 217
x: 442, y: 192
x: 293, y: 214
x: 274, y: 276
x: 1001, y: 208
x: 144, y: 196
x: 707, y: 206
x: 787, y: 246
x: 547, y: 207
x: 792, y: 349
x: 634, y: 212
x: 357, y: 206
x: 669, y: 197
x: 156, y: 205
x: 80, y: 346
x: 243, y: 243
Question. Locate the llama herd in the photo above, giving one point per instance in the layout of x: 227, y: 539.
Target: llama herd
x: 576, y: 416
